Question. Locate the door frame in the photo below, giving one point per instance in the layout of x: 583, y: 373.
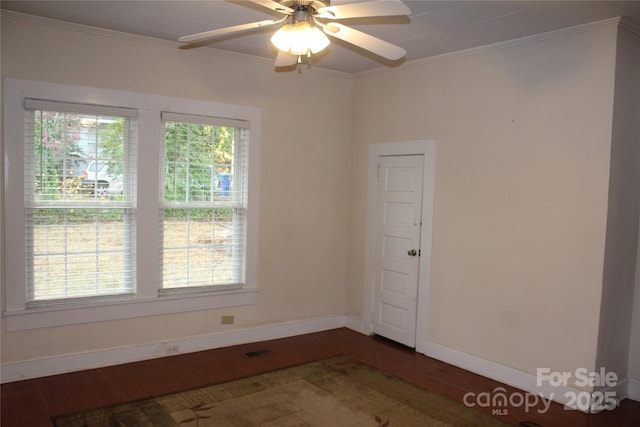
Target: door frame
x: 426, y: 148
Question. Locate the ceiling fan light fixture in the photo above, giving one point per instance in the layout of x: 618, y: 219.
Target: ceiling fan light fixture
x: 282, y: 38
x: 300, y: 38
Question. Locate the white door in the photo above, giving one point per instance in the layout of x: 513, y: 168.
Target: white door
x: 399, y: 213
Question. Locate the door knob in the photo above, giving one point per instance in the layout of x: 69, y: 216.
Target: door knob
x: 412, y: 252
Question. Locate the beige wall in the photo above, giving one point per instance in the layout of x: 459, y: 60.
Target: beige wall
x: 522, y: 185
x: 523, y: 146
x: 623, y: 211
x: 304, y: 168
x: 634, y: 350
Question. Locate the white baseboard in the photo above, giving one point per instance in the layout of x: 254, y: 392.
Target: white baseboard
x: 633, y: 390
x: 525, y: 381
x: 356, y: 324
x: 34, y: 368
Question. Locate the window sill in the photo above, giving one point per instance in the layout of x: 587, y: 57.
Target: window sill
x: 35, y: 318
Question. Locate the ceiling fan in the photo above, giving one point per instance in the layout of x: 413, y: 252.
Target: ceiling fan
x: 310, y: 23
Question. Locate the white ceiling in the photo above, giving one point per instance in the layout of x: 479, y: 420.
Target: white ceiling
x: 434, y: 27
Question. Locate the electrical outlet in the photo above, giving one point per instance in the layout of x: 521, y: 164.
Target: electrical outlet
x: 173, y: 349
x: 227, y: 319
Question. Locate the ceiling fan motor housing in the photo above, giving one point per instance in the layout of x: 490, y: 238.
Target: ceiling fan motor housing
x: 305, y: 4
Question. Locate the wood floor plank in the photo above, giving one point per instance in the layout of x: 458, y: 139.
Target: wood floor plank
x: 31, y: 403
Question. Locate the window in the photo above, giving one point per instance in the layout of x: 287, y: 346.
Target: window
x: 204, y: 202
x: 79, y: 221
x: 95, y: 231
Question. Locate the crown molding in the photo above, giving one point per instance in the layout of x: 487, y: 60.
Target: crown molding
x: 554, y: 34
x: 39, y: 20
x: 627, y: 24
x: 34, y: 19
x: 563, y: 32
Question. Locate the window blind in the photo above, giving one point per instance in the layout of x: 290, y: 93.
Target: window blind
x: 72, y: 107
x: 203, y: 120
x: 204, y: 202
x: 79, y: 205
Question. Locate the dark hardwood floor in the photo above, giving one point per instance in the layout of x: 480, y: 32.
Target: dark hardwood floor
x: 31, y: 403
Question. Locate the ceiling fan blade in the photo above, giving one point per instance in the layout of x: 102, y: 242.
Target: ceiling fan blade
x: 273, y: 5
x: 208, y: 35
x: 285, y: 60
x: 365, y: 41
x: 365, y: 9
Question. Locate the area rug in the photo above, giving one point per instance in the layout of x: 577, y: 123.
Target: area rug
x: 333, y: 392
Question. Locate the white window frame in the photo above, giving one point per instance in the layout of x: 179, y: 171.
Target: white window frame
x: 238, y: 202
x: 147, y: 301
x: 126, y: 204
